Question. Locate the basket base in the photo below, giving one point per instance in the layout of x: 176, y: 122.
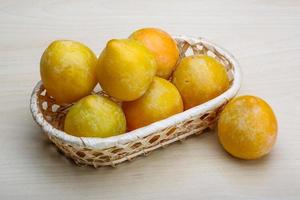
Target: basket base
x: 79, y: 157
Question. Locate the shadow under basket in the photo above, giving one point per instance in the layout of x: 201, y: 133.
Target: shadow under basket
x: 117, y: 149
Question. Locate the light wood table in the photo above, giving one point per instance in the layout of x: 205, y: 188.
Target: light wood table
x: 263, y: 35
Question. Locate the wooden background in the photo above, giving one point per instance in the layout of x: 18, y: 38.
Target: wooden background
x: 264, y: 35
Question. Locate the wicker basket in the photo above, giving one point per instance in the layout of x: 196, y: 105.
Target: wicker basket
x: 113, y: 150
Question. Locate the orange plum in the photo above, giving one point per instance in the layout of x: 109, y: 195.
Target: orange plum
x: 200, y: 78
x: 162, y: 45
x: 68, y: 70
x: 126, y: 69
x: 160, y: 101
x: 247, y: 127
x: 95, y: 116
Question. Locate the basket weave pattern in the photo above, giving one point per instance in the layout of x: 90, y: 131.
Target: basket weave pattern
x: 83, y: 154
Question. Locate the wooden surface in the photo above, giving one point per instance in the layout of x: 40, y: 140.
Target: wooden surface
x: 262, y: 34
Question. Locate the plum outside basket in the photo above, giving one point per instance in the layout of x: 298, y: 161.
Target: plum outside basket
x: 117, y: 149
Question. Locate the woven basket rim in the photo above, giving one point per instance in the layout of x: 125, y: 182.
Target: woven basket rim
x: 120, y: 140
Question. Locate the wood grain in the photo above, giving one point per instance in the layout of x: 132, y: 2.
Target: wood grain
x: 263, y: 35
